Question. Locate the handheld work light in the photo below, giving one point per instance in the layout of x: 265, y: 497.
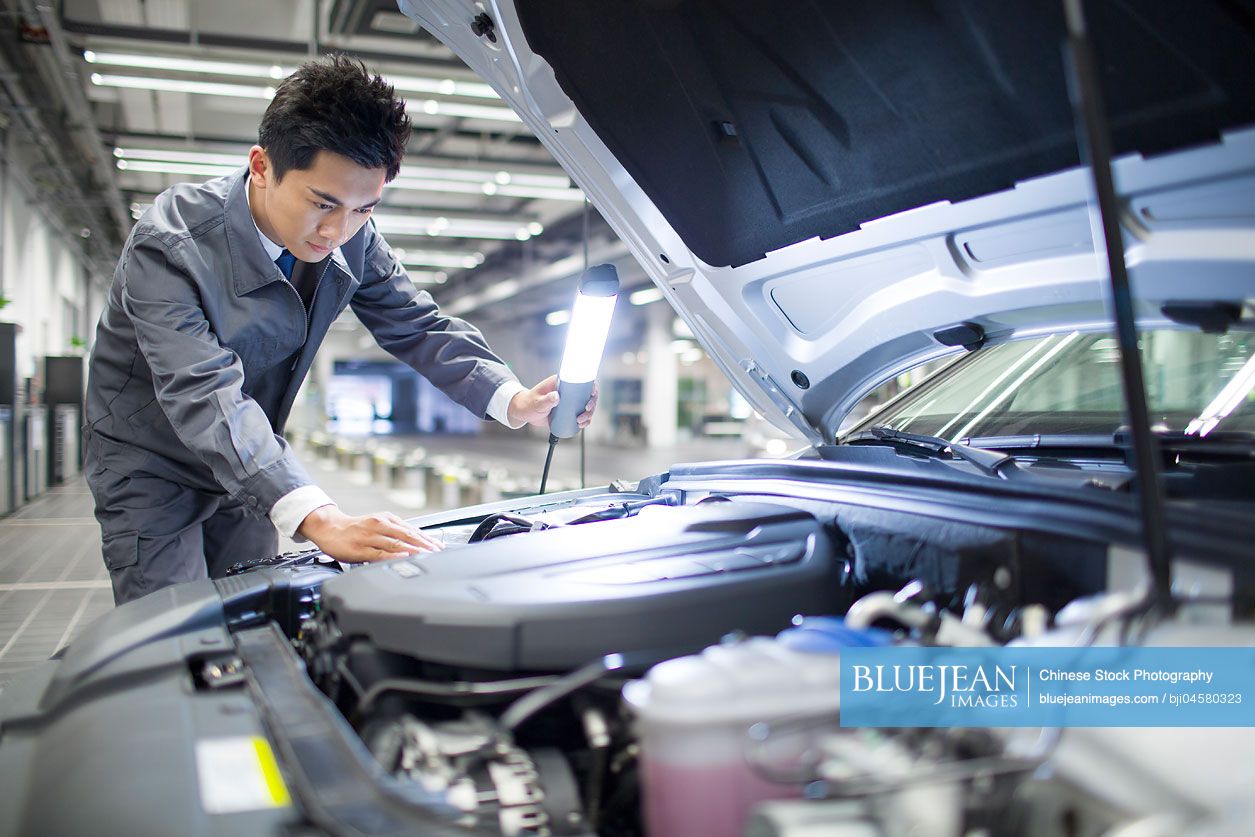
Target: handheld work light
x: 585, y: 339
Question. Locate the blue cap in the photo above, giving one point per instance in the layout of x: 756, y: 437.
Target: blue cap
x: 829, y: 634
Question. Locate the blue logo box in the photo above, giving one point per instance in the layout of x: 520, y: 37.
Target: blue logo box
x: 900, y: 686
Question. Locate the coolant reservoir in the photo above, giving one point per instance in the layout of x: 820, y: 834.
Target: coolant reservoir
x: 728, y: 728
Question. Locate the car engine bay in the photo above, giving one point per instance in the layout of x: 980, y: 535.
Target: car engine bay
x: 666, y: 662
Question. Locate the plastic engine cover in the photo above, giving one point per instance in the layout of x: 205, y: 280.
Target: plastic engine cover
x: 667, y: 579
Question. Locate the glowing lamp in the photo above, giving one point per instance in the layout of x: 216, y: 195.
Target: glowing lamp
x: 585, y: 340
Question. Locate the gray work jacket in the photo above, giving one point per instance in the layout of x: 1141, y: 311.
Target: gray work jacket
x: 200, y: 324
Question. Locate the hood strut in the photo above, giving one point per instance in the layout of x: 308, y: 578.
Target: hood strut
x: 1095, y: 146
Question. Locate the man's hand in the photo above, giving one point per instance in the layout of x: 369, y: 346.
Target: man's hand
x: 371, y: 537
x: 533, y: 406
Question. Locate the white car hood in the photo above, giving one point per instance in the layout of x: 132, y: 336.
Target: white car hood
x: 846, y: 215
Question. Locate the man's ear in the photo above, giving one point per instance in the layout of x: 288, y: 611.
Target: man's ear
x: 259, y: 168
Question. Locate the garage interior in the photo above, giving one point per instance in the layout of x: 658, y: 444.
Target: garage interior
x: 105, y: 103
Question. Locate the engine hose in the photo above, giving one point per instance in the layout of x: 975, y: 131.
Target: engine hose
x: 885, y: 605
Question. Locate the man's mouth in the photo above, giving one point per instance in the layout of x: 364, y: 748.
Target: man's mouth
x: 318, y: 248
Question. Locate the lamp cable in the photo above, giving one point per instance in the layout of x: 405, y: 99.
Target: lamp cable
x: 544, y: 474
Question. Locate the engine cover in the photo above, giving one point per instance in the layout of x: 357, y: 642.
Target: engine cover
x: 669, y: 579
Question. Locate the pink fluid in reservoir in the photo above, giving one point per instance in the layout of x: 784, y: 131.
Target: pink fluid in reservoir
x: 704, y: 800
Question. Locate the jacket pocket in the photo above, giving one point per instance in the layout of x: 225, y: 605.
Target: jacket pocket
x: 121, y: 550
x: 145, y: 416
x: 260, y: 354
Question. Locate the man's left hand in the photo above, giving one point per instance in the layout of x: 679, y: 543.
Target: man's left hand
x: 533, y: 406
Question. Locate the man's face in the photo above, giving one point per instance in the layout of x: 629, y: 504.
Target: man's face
x: 312, y: 211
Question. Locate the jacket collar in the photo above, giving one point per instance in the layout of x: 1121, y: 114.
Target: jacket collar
x: 337, y: 258
x: 273, y: 251
x: 250, y: 266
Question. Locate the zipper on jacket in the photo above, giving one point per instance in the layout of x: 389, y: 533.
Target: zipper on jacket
x: 309, y: 312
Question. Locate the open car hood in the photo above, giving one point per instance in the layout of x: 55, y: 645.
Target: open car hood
x: 832, y: 193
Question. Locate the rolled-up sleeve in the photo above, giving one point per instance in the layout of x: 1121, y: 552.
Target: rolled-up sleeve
x: 198, y: 382
x: 407, y: 323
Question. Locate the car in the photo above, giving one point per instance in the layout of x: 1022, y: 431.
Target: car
x: 830, y: 196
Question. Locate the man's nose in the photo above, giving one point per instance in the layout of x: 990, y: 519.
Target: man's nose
x: 333, y: 228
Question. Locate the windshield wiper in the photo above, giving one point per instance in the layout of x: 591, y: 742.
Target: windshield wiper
x: 988, y: 462
x: 1236, y: 444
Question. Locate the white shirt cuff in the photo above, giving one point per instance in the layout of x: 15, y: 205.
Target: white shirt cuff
x: 499, y: 406
x: 290, y: 510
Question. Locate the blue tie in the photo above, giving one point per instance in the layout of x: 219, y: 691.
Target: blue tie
x: 286, y: 262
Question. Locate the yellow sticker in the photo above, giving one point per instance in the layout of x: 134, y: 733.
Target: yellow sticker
x: 239, y: 774
x: 270, y: 770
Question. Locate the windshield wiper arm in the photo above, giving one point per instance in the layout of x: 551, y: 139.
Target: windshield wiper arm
x: 1031, y: 441
x: 1238, y: 444
x: 988, y: 462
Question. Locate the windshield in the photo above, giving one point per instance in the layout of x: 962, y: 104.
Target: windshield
x: 1070, y: 384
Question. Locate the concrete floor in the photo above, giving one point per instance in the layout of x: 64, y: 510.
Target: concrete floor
x: 52, y: 580
x: 53, y: 583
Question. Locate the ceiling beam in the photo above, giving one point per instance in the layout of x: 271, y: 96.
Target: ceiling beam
x: 82, y: 124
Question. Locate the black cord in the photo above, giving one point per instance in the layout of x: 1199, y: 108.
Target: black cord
x: 490, y: 527
x: 544, y: 475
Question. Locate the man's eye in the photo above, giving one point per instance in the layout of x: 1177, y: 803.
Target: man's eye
x: 366, y: 210
x: 324, y: 206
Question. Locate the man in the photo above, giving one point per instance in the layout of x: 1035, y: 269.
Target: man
x: 220, y: 299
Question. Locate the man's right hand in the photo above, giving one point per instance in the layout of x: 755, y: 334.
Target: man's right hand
x: 371, y: 537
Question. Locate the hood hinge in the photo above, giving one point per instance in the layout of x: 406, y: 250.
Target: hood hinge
x: 791, y: 411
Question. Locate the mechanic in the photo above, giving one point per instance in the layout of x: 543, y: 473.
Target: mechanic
x: 221, y: 297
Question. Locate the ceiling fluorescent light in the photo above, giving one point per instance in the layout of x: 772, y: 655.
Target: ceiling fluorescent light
x: 427, y: 184
x: 557, y: 318
x: 438, y: 258
x: 455, y: 228
x: 172, y: 63
x: 512, y: 191
x: 442, y: 87
x: 211, y: 165
x: 213, y: 88
x: 207, y: 88
x: 496, y: 176
x: 498, y: 292
x: 159, y: 155
x: 460, y: 306
x: 473, y: 178
x: 436, y: 108
x: 186, y: 65
x: 645, y: 296
x: 161, y: 167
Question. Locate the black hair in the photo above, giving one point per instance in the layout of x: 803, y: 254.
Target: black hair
x: 334, y: 104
